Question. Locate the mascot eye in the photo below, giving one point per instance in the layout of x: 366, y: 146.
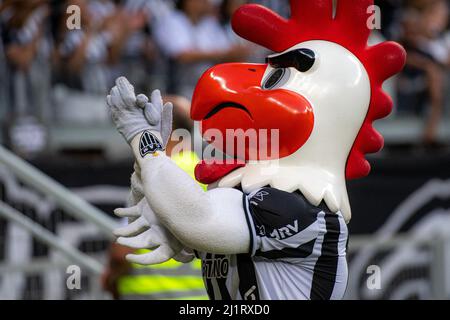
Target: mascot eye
x: 276, y: 79
x: 300, y: 59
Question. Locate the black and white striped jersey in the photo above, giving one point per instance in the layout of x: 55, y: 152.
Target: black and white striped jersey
x: 298, y: 251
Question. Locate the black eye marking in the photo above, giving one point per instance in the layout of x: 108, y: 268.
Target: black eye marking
x: 300, y: 59
x: 273, y: 79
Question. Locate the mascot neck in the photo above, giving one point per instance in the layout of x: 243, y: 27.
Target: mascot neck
x: 315, y: 182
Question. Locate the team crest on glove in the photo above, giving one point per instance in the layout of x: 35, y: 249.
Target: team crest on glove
x: 149, y: 144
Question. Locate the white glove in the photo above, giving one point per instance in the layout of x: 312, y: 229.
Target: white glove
x: 145, y: 233
x: 185, y: 256
x: 158, y: 114
x: 129, y: 117
x: 137, y: 190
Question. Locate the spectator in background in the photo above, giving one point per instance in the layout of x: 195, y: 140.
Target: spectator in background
x: 390, y: 18
x: 194, y: 40
x: 138, y: 57
x: 84, y: 52
x: 4, y: 80
x: 226, y: 10
x: 279, y: 6
x: 255, y: 53
x: 27, y: 51
x: 422, y: 82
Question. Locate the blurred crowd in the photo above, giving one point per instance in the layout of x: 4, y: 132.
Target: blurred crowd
x: 51, y: 71
x: 422, y: 26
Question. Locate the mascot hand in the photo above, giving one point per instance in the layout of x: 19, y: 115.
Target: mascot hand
x: 128, y: 117
x: 145, y: 233
x: 158, y: 114
x: 137, y: 189
x: 185, y: 256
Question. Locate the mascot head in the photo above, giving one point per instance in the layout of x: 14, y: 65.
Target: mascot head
x: 321, y: 91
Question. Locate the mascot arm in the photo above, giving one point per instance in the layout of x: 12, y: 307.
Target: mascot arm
x: 213, y: 221
x: 136, y: 195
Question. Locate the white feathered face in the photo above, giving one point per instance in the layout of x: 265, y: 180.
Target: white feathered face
x: 315, y: 94
x: 336, y: 85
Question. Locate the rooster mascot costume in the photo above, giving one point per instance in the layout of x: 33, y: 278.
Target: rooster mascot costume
x: 269, y: 227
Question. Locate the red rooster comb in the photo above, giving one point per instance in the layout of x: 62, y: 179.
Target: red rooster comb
x: 313, y: 20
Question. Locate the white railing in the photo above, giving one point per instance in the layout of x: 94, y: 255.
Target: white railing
x: 44, y: 195
x: 67, y: 200
x: 407, y: 266
x: 45, y: 236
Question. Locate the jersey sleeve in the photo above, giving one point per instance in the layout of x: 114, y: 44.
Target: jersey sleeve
x: 282, y: 224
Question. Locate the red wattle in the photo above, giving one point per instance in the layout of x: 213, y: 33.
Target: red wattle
x: 208, y: 173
